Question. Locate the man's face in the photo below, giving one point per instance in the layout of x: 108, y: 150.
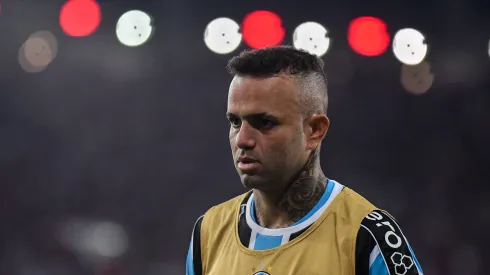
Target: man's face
x: 266, y: 125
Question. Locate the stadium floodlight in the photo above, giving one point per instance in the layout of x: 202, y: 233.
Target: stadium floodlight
x: 38, y: 51
x: 417, y: 79
x: 134, y: 28
x: 222, y: 35
x: 311, y: 37
x: 409, y: 46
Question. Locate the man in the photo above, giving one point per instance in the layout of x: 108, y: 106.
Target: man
x: 294, y: 220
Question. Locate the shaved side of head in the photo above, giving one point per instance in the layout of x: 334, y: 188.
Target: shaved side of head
x: 305, y: 68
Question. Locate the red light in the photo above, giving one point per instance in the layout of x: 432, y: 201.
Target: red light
x: 262, y: 29
x: 80, y: 17
x: 368, y: 36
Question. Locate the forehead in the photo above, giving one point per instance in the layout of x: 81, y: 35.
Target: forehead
x: 275, y: 95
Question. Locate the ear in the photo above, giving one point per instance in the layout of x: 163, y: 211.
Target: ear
x: 317, y: 128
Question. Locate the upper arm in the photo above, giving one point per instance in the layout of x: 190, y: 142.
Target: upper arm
x: 193, y: 261
x: 382, y: 249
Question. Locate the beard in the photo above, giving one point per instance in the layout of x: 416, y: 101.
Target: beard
x: 252, y: 181
x: 268, y: 179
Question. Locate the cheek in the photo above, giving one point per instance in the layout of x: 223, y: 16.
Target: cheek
x: 231, y: 136
x: 285, y: 153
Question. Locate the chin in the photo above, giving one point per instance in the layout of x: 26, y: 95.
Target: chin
x: 253, y: 181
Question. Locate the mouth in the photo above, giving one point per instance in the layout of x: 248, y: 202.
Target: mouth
x: 247, y: 167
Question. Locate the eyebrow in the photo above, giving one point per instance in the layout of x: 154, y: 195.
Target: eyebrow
x: 255, y: 115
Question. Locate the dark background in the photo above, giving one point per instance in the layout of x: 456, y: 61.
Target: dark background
x: 138, y: 136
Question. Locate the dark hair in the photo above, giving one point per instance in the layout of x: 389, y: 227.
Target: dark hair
x: 305, y: 67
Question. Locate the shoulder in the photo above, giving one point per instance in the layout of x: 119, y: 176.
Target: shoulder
x: 352, y: 207
x: 381, y: 245
x: 383, y: 228
x: 356, y: 201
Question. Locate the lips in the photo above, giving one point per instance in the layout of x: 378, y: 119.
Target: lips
x: 246, y: 164
x: 246, y: 160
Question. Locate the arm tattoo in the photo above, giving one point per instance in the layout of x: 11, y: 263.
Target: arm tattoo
x: 305, y: 191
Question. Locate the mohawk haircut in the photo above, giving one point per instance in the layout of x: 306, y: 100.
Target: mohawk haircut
x: 305, y: 68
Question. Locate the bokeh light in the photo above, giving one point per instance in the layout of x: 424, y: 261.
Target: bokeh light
x: 94, y: 239
x: 409, y: 46
x: 311, y: 37
x: 134, y: 28
x: 368, y: 36
x: 262, y: 29
x: 417, y: 79
x: 80, y: 18
x: 222, y: 35
x: 25, y: 64
x: 38, y: 51
x: 50, y: 39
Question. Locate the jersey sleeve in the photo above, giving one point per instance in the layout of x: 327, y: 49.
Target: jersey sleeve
x: 193, y: 264
x: 382, y: 249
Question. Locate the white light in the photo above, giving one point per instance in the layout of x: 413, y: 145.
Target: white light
x: 49, y: 38
x: 134, y: 28
x: 222, y: 35
x: 108, y: 239
x: 409, y: 46
x: 89, y: 239
x: 311, y: 37
x: 37, y: 52
x: 417, y: 79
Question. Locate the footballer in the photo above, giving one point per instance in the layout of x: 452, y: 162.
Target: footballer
x: 294, y: 220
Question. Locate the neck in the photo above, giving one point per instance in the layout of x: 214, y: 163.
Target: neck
x: 281, y: 209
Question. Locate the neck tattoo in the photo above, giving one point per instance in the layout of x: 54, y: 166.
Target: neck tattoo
x: 304, y: 192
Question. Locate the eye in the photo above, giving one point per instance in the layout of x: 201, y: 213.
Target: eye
x: 234, y: 122
x: 266, y: 124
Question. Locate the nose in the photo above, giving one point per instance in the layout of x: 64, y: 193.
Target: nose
x: 245, y: 138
